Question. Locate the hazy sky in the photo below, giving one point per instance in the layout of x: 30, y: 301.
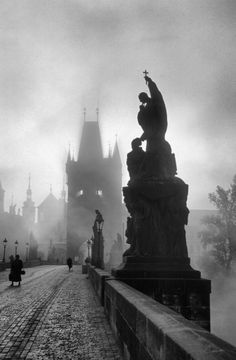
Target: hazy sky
x: 59, y: 56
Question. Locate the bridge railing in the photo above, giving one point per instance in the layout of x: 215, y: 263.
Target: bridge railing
x: 149, y: 330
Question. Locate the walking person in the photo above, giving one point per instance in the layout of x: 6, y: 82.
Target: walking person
x: 69, y: 263
x: 16, y: 270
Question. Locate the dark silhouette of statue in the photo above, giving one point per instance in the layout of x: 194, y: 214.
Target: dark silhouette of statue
x: 157, y: 261
x: 152, y: 115
x: 98, y: 220
x: 136, y: 159
x: 155, y: 197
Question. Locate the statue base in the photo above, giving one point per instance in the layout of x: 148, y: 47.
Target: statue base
x: 158, y: 267
x: 170, y: 281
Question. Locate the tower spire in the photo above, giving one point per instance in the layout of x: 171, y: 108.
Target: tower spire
x: 109, y: 150
x: 97, y: 112
x: 69, y: 155
x: 116, y: 153
x: 63, y: 192
x: 29, y: 191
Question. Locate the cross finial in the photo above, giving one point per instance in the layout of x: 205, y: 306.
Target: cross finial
x: 145, y: 72
x: 84, y: 113
x: 97, y: 112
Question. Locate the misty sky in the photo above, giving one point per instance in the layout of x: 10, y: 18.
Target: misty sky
x: 59, y: 56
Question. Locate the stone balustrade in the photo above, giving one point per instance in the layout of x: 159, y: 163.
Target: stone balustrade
x: 148, y: 330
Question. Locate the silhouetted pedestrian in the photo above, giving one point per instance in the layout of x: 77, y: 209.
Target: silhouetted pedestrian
x: 69, y: 263
x: 16, y: 270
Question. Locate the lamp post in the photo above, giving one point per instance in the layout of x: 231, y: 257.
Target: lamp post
x: 27, y: 251
x: 89, y: 244
x: 4, y: 249
x: 16, y: 244
x: 99, y: 221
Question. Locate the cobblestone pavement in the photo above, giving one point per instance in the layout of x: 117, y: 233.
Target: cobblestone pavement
x: 54, y: 314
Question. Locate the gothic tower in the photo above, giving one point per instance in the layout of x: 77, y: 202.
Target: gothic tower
x: 28, y: 209
x: 2, y: 191
x: 94, y: 182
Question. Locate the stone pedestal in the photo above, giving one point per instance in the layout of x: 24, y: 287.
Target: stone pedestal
x: 172, y: 282
x: 155, y: 267
x: 157, y: 261
x: 97, y: 248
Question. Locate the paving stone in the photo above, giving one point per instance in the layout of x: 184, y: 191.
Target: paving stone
x: 54, y: 315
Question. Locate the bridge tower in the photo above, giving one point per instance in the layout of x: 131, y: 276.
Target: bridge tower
x: 94, y: 182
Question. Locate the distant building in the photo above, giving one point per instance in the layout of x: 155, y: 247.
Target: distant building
x: 51, y: 228
x: 94, y: 182
x: 28, y: 210
x: 13, y: 228
x: 45, y: 238
x: 2, y: 193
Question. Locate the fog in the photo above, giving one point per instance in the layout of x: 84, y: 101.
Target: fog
x: 58, y: 57
x: 223, y: 307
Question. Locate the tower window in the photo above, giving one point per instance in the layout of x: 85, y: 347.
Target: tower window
x: 99, y: 192
x: 80, y: 193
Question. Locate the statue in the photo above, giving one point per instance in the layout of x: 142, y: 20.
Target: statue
x: 98, y: 220
x: 135, y: 159
x: 155, y: 197
x: 152, y: 116
x: 157, y: 261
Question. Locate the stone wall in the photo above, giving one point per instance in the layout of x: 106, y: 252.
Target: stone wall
x: 97, y: 278
x: 148, y: 330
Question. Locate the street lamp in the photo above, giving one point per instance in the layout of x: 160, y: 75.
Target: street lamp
x: 16, y: 244
x: 89, y: 244
x: 27, y: 251
x: 4, y: 249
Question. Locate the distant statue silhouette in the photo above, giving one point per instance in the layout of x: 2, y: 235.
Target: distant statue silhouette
x: 152, y: 116
x: 16, y: 271
x: 98, y: 220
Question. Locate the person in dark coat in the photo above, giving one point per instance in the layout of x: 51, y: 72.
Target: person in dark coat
x: 69, y: 263
x: 16, y: 268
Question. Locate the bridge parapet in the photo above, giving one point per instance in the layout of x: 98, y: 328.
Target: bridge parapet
x: 148, y: 330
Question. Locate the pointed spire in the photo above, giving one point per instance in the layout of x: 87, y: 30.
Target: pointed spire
x: 29, y: 192
x: 116, y: 153
x: 109, y: 151
x: 97, y: 112
x: 90, y: 148
x: 84, y: 112
x: 73, y: 155
x: 69, y: 155
x: 63, y: 192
